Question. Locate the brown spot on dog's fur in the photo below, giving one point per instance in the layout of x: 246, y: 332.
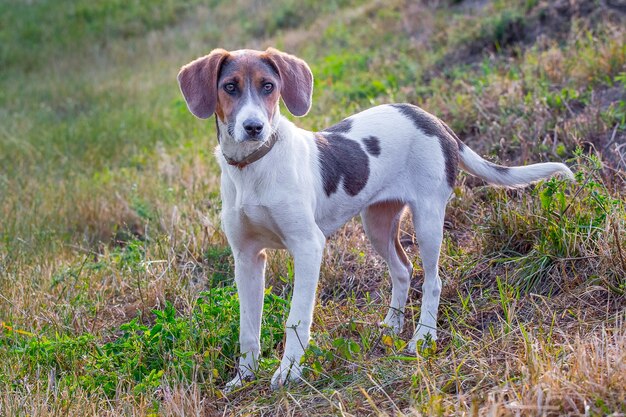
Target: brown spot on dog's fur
x: 451, y: 132
x: 372, y: 144
x: 342, y: 158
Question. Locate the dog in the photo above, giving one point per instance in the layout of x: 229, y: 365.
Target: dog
x: 283, y: 187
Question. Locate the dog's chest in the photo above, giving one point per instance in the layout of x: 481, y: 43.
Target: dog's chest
x: 253, y: 212
x: 261, y: 222
x: 256, y: 215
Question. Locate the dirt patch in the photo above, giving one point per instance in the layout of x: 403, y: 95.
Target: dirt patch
x: 546, y: 21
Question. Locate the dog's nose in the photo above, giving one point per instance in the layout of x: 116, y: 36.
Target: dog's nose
x: 253, y: 127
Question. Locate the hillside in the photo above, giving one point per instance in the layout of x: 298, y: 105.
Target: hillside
x: 116, y: 282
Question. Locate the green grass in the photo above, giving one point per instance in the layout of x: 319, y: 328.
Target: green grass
x: 33, y: 32
x: 195, y: 348
x: 116, y: 283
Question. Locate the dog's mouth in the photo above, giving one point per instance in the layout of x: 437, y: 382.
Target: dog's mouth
x: 245, y: 152
x: 241, y: 137
x: 240, y: 148
x: 227, y: 132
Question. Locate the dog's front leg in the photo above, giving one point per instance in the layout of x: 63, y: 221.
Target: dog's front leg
x: 250, y: 280
x: 307, y: 255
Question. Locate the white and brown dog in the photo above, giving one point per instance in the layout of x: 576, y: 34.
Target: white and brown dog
x: 287, y: 188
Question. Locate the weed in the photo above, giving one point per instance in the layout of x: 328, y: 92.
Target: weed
x: 220, y: 261
x: 199, y: 346
x: 564, y: 229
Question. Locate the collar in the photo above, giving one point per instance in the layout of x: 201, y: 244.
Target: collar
x: 257, y: 154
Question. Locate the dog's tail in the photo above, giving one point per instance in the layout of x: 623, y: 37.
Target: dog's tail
x: 494, y: 174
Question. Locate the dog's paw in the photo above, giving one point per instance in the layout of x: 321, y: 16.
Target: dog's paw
x: 423, y: 342
x: 237, y: 381
x: 233, y: 384
x: 394, y: 321
x: 284, y: 374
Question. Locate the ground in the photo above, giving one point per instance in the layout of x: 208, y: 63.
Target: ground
x: 116, y: 283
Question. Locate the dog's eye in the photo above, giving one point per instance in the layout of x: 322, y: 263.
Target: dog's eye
x: 230, y: 88
x: 268, y: 87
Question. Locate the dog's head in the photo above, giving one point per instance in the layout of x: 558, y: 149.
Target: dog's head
x: 243, y: 89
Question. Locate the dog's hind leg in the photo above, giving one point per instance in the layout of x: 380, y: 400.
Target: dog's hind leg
x: 428, y: 221
x: 381, y: 222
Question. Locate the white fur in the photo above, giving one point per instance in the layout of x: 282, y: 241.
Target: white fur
x: 512, y: 176
x: 279, y: 202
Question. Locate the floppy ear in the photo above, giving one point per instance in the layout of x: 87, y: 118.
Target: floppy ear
x: 198, y: 83
x: 296, y: 79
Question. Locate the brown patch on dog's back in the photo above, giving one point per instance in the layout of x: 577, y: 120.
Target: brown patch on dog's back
x: 342, y: 158
x: 343, y: 126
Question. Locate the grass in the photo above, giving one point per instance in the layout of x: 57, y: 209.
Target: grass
x: 116, y: 283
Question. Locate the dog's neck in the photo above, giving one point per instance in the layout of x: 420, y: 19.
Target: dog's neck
x: 242, y: 154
